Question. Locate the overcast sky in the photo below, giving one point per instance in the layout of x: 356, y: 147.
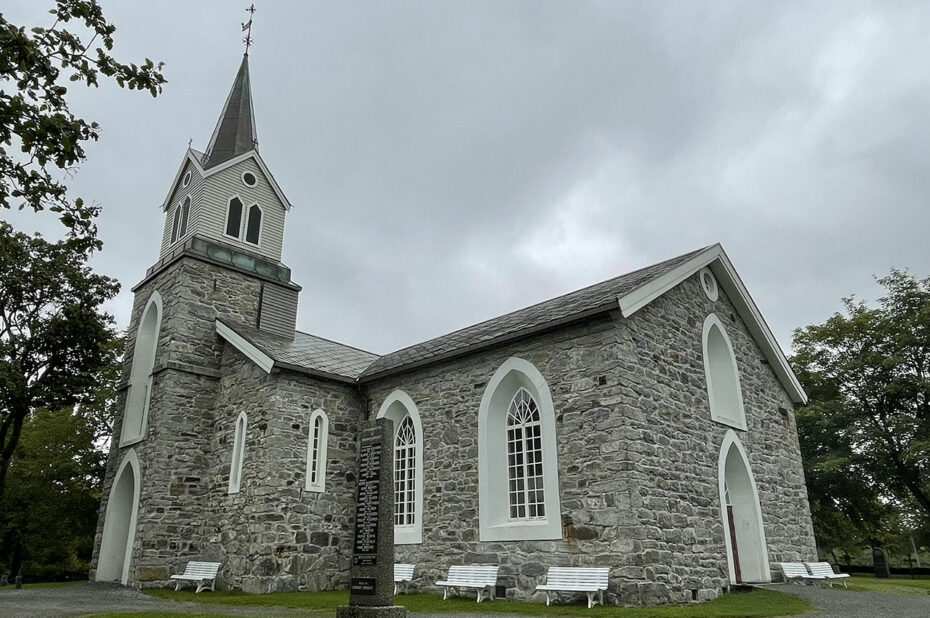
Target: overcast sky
x: 449, y: 162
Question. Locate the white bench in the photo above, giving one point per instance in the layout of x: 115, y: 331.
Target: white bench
x: 482, y: 578
x: 590, y: 580
x: 403, y: 573
x: 795, y: 571
x: 201, y: 573
x: 823, y: 569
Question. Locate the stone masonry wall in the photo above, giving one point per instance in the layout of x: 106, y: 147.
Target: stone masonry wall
x: 174, y: 455
x: 274, y: 535
x: 637, y: 455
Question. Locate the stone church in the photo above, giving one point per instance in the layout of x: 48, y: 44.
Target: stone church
x: 644, y: 423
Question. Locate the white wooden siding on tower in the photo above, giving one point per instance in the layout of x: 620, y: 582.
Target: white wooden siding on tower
x: 195, y: 191
x: 210, y: 220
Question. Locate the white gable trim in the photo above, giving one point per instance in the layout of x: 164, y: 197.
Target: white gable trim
x: 716, y: 259
x: 250, y: 351
x: 189, y: 156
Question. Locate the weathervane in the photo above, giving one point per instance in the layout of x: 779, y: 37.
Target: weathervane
x: 247, y: 28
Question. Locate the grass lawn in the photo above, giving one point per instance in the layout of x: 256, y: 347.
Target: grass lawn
x: 897, y: 584
x: 755, y: 603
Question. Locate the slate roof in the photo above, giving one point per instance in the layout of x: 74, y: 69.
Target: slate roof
x: 318, y: 356
x: 308, y: 353
x: 587, y: 301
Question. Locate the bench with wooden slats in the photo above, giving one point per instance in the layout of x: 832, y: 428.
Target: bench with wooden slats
x: 823, y: 569
x: 201, y: 573
x: 795, y: 571
x: 403, y: 573
x: 483, y: 578
x: 590, y: 580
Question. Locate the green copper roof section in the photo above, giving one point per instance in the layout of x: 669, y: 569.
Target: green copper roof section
x: 235, y: 131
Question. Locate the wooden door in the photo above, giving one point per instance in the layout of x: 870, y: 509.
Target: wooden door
x: 733, y: 547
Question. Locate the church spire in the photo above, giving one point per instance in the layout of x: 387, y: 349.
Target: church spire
x: 235, y: 131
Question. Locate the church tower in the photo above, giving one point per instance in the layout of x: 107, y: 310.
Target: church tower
x: 220, y: 262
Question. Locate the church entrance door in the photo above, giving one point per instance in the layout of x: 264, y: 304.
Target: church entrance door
x: 746, y: 549
x: 119, y: 524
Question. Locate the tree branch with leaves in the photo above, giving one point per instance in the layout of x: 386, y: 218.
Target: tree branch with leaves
x: 39, y: 135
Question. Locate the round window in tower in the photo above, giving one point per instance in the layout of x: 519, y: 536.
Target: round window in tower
x: 248, y: 179
x: 187, y: 179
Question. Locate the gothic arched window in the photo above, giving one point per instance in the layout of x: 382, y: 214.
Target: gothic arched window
x: 399, y: 408
x: 525, y: 484
x: 181, y: 215
x: 316, y: 452
x: 518, y: 472
x: 135, y: 415
x: 238, y: 454
x: 234, y: 218
x: 405, y: 472
x: 722, y: 375
x: 253, y: 225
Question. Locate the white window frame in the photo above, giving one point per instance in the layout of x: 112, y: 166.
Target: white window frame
x: 317, y: 483
x: 405, y: 475
x: 494, y: 521
x: 242, y: 218
x: 261, y: 224
x: 721, y: 374
x: 238, y: 453
x: 141, y: 379
x: 181, y: 220
x: 254, y: 175
x: 395, y: 407
x: 523, y: 460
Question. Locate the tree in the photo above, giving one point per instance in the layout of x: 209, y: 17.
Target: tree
x: 54, y: 339
x: 35, y: 118
x: 58, y: 468
x: 866, y: 432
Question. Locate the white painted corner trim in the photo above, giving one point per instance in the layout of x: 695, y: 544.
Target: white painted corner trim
x: 240, y: 343
x: 715, y: 258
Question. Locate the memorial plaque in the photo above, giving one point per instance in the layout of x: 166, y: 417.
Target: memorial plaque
x: 362, y: 585
x: 366, y: 506
x: 371, y: 580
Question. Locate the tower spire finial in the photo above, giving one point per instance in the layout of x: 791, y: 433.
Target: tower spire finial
x: 247, y: 28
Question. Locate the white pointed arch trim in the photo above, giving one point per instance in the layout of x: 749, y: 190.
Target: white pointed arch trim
x: 754, y: 546
x: 395, y: 407
x: 493, y: 506
x: 317, y: 439
x: 721, y: 374
x: 238, y: 452
x: 138, y: 395
x: 113, y: 531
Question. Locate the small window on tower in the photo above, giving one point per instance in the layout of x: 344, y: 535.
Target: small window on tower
x: 181, y: 215
x: 234, y: 218
x: 248, y: 179
x: 255, y: 224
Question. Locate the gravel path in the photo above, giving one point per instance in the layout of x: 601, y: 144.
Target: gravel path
x: 82, y: 599
x: 838, y: 602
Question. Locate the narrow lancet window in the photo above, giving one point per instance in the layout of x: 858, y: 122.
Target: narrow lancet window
x: 405, y: 496
x: 254, y: 226
x: 234, y: 218
x: 181, y: 215
x: 238, y: 454
x: 525, y: 458
x: 316, y: 452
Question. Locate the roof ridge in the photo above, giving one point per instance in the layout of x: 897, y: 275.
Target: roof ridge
x: 548, y: 300
x: 345, y: 345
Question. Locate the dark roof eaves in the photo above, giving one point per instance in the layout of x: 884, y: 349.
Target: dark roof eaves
x: 481, y: 345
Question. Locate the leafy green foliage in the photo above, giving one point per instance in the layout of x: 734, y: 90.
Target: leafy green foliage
x: 34, y: 116
x: 865, y: 435
x: 55, y: 342
x: 48, y: 513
